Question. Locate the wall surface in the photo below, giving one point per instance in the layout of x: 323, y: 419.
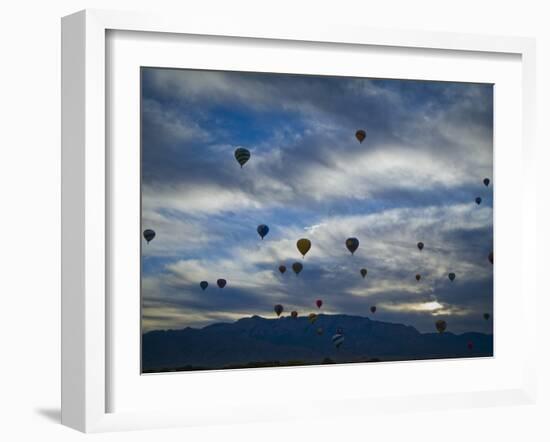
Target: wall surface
x: 30, y: 216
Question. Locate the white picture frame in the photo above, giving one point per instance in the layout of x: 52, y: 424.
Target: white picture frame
x: 86, y: 204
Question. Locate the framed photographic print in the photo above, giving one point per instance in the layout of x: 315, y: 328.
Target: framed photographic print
x: 247, y: 207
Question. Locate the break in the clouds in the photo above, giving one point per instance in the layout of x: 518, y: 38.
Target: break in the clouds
x: 414, y: 178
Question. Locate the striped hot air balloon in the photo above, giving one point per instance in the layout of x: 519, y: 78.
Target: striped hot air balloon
x: 338, y: 339
x: 242, y: 155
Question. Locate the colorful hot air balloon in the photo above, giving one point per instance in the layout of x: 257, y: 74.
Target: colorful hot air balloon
x: 221, y: 283
x: 418, y: 276
x: 278, y: 309
x: 452, y: 276
x: 338, y: 339
x: 319, y: 303
x: 352, y: 244
x: 297, y: 267
x: 262, y: 230
x: 441, y: 325
x: 373, y: 309
x: 420, y: 246
x: 478, y: 200
x: 360, y: 135
x: 294, y: 314
x: 303, y: 246
x: 363, y: 272
x: 282, y: 269
x: 486, y: 181
x: 312, y: 317
x: 203, y: 285
x: 486, y: 316
x: 470, y: 345
x: 242, y: 155
x: 320, y: 331
x: 149, y: 235
x: 490, y: 257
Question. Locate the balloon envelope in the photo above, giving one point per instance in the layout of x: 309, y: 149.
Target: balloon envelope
x: 486, y: 181
x: 420, y: 245
x: 312, y: 317
x: 303, y: 245
x: 441, y: 325
x: 203, y: 285
x: 242, y: 155
x: 470, y: 345
x: 282, y: 269
x: 262, y: 230
x: 338, y: 340
x: 478, y: 200
x: 452, y: 276
x: 297, y: 267
x: 373, y: 309
x: 364, y: 272
x: 294, y: 314
x: 319, y: 303
x: 418, y: 276
x: 486, y: 316
x: 490, y: 257
x: 320, y: 331
x: 352, y: 244
x: 221, y: 283
x: 149, y: 235
x: 278, y: 309
x: 360, y: 135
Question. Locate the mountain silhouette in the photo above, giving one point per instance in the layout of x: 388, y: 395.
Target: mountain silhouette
x: 256, y: 341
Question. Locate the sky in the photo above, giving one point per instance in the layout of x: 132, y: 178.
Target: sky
x: 415, y: 177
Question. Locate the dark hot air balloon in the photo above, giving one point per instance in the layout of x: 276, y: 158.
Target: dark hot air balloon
x: 452, y: 276
x: 303, y: 246
x: 262, y: 230
x: 490, y: 257
x: 319, y: 303
x: 418, y: 276
x: 221, y: 283
x: 149, y: 235
x: 278, y: 309
x: 478, y: 200
x: 441, y: 325
x: 320, y: 331
x: 297, y: 267
x: 486, y: 181
x: 360, y: 135
x: 352, y: 244
x: 312, y: 317
x: 282, y: 269
x: 363, y: 272
x: 242, y: 155
x: 470, y: 345
x: 294, y: 314
x: 373, y: 309
x: 486, y: 316
x: 203, y: 285
x: 420, y: 246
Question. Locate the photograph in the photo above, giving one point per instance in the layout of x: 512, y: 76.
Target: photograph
x: 304, y: 220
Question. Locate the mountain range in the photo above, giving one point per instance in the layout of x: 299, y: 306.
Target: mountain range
x: 260, y: 342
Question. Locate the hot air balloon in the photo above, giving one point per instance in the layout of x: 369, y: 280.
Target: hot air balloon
x: 319, y: 303
x: 221, y: 283
x: 312, y: 317
x: 490, y: 257
x: 418, y: 276
x: 242, y: 155
x: 320, y: 331
x: 441, y: 325
x: 452, y: 276
x: 278, y: 309
x: 478, y: 200
x: 148, y: 235
x: 470, y: 345
x: 360, y: 135
x: 303, y: 245
x: 352, y: 244
x: 203, y: 285
x: 420, y: 246
x: 282, y: 269
x: 373, y: 309
x: 486, y: 181
x: 363, y: 272
x: 294, y: 314
x: 297, y: 267
x: 486, y: 316
x: 338, y: 339
x: 262, y: 230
